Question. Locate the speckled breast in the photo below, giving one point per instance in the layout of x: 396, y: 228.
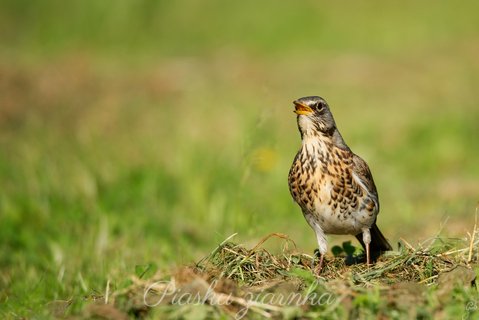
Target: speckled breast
x: 321, y: 181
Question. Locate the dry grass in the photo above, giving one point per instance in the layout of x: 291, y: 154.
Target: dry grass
x: 422, y: 264
x: 235, y: 281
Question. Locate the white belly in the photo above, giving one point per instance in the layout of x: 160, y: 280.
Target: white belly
x: 333, y: 221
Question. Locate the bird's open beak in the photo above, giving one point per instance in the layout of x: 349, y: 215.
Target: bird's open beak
x: 301, y: 108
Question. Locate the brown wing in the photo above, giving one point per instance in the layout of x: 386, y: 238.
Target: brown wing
x: 361, y: 169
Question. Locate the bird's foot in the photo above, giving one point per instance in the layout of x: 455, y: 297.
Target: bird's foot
x: 319, y: 267
x: 368, y: 257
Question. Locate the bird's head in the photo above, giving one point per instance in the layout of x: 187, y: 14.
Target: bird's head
x: 314, y: 117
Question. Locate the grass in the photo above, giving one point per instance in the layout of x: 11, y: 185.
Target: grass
x: 233, y: 281
x: 138, y: 136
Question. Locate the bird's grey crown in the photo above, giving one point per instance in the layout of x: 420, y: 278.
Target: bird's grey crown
x: 310, y: 100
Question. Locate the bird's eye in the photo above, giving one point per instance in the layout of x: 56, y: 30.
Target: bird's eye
x: 319, y: 106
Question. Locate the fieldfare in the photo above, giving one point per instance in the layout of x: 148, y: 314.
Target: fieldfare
x: 332, y: 185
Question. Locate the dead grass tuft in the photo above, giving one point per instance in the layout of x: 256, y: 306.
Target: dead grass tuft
x: 233, y: 280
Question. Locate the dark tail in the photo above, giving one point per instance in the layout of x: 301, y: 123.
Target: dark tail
x: 378, y: 244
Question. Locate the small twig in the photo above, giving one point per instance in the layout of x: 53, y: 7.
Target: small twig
x: 216, y: 249
x: 107, y: 291
x: 375, y: 273
x: 274, y: 234
x: 430, y: 278
x: 407, y: 244
x: 417, y: 268
x: 441, y: 227
x: 471, y: 244
x: 234, y: 252
x: 447, y: 253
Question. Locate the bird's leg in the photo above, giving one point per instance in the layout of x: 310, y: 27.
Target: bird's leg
x: 367, y: 241
x: 323, y: 247
x: 319, y: 266
x: 368, y: 260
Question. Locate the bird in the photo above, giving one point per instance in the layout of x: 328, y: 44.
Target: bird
x: 332, y: 185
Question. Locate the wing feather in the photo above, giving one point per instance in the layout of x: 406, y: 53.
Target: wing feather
x: 362, y: 172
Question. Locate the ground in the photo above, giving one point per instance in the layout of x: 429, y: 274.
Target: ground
x: 140, y: 136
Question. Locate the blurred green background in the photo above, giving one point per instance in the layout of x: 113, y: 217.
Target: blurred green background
x: 136, y: 132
